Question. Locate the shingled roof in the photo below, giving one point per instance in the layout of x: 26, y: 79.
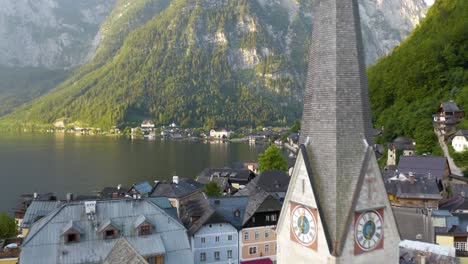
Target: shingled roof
x: 124, y: 253
x: 336, y: 122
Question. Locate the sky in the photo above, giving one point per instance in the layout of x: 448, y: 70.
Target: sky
x: 429, y: 2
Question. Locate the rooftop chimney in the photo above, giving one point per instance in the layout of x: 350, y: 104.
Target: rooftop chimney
x: 35, y: 195
x: 175, y: 179
x: 69, y: 197
x: 411, y: 178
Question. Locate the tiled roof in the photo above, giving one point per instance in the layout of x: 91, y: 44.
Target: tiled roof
x: 235, y: 175
x: 124, y: 253
x: 37, y: 210
x: 422, y: 188
x: 44, y: 243
x: 197, y: 211
x: 173, y: 190
x: 259, y: 201
x: 432, y: 165
x: 143, y: 187
x: 450, y: 107
x: 273, y: 181
x: 231, y: 208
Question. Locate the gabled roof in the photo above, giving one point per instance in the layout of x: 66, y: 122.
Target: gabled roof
x: 197, y: 211
x: 124, y: 253
x: 44, y: 245
x: 462, y: 133
x: 450, y: 107
x: 141, y: 219
x: 432, y: 165
x: 72, y: 226
x: 272, y: 181
x: 37, y: 210
x: 259, y: 201
x: 422, y: 188
x: 210, y: 174
x: 172, y: 190
x: 231, y: 208
x: 108, y: 223
x: 143, y: 187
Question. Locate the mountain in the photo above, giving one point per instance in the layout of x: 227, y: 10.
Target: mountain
x: 429, y: 67
x: 204, y: 62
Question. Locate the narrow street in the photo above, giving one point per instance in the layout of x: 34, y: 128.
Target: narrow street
x: 455, y: 170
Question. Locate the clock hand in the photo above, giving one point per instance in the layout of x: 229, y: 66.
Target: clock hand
x: 301, y: 226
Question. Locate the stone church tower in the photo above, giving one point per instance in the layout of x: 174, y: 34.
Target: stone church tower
x: 336, y: 209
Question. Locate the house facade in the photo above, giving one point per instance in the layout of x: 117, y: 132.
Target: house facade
x: 216, y: 243
x: 220, y: 134
x: 448, y: 116
x: 400, y: 146
x: 460, y: 140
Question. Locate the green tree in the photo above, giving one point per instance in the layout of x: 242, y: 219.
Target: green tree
x: 7, y: 226
x: 296, y: 127
x: 212, y: 189
x: 272, y: 159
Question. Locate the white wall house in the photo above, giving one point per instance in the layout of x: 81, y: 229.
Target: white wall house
x: 221, y: 134
x: 460, y: 140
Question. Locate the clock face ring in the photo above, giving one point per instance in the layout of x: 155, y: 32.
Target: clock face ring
x: 303, y: 225
x: 368, y: 230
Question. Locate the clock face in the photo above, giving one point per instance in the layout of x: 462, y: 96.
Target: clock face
x: 369, y: 230
x: 303, y: 225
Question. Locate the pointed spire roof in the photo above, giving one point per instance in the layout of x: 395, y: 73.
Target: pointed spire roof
x: 336, y: 122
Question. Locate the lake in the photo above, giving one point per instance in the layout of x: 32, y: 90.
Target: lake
x: 85, y: 164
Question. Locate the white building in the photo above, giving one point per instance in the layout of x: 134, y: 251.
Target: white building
x: 221, y: 134
x: 147, y: 125
x: 460, y: 140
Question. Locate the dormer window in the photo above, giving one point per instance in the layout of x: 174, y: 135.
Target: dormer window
x: 108, y: 229
x: 71, y: 232
x: 143, y: 226
x: 237, y: 213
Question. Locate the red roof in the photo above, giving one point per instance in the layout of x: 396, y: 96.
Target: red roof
x: 258, y: 261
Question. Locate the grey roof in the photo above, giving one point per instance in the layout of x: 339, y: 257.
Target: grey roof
x: 44, y: 243
x: 107, y: 223
x: 454, y: 203
x: 422, y: 188
x: 414, y: 224
x: 234, y: 175
x: 143, y: 187
x: 432, y: 165
x: 165, y: 204
x: 463, y: 133
x: 172, y: 190
x: 231, y: 208
x: 72, y: 226
x: 336, y: 122
x: 402, y: 143
x: 37, y: 210
x: 460, y: 189
x: 111, y: 192
x: 450, y: 107
x: 124, y: 253
x: 197, y: 211
x: 259, y: 201
x: 141, y: 219
x: 272, y: 181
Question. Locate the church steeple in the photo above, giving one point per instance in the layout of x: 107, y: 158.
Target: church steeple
x: 336, y: 209
x: 336, y: 123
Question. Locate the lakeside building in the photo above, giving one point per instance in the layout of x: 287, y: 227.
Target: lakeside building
x: 87, y: 232
x: 220, y: 134
x: 227, y: 179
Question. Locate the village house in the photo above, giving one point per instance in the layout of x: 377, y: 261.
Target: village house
x: 257, y: 238
x: 226, y: 178
x: 25, y: 200
x: 400, y: 146
x: 213, y: 238
x: 414, y: 190
x: 112, y: 192
x: 460, y: 140
x: 178, y: 190
x: 455, y: 234
x: 220, y: 134
x: 147, y: 125
x: 87, y: 232
x: 448, y: 116
x: 274, y: 182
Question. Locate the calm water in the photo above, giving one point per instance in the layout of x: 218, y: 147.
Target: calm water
x: 84, y: 164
